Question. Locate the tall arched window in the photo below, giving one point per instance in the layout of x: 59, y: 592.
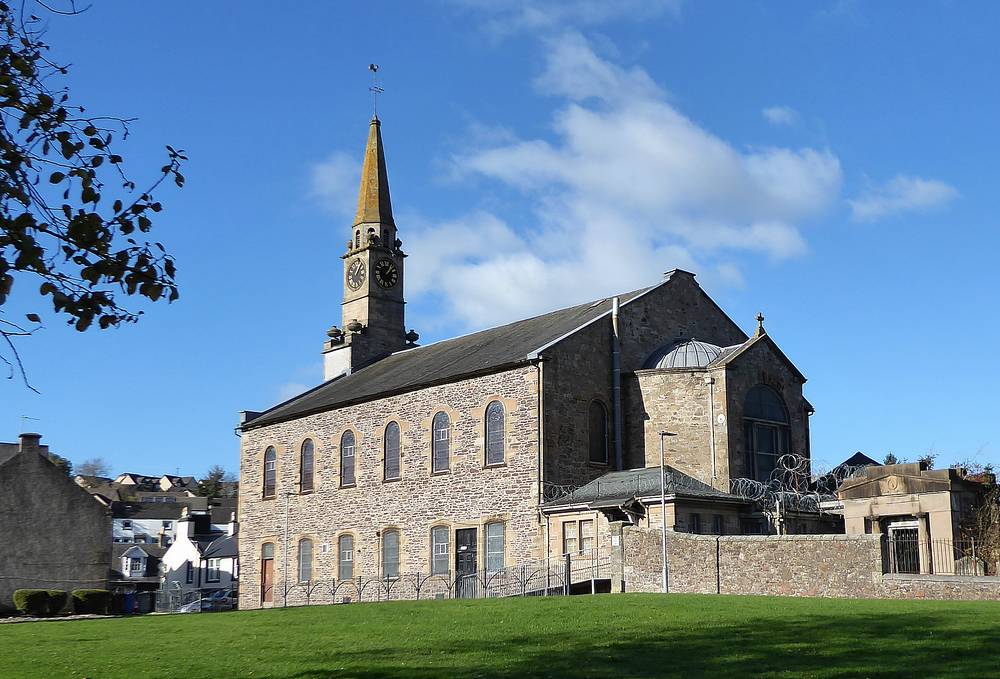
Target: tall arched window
x: 305, y: 560
x: 270, y: 471
x: 766, y: 431
x: 598, y: 427
x: 306, y: 467
x: 441, y: 443
x: 347, y: 459
x: 390, y: 554
x: 391, y: 468
x: 345, y: 557
x: 357, y: 238
x: 494, y: 433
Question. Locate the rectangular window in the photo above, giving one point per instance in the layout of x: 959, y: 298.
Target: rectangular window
x: 718, y: 525
x: 135, y: 566
x: 126, y: 525
x: 439, y: 551
x: 570, y: 537
x: 695, y: 523
x: 390, y: 554
x: 189, y: 573
x: 214, y: 573
x: 345, y: 568
x: 494, y: 546
x: 587, y: 535
x: 168, y: 525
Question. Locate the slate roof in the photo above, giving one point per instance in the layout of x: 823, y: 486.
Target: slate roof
x: 147, y: 510
x: 223, y: 547
x: 118, y: 549
x: 481, y: 352
x: 7, y: 451
x: 616, y: 488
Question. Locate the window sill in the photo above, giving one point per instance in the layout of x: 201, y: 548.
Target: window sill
x: 497, y: 465
x: 395, y: 480
x: 349, y: 485
x: 307, y: 492
x: 443, y: 472
x: 268, y: 497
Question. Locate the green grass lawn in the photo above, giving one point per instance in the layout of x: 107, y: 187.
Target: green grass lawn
x: 638, y: 635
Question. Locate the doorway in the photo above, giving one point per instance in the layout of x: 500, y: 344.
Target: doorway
x: 466, y: 562
x: 905, y: 547
x: 267, y: 574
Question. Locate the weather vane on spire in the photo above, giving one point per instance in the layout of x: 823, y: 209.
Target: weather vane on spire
x: 374, y: 89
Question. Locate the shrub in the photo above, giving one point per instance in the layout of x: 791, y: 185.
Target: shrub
x: 91, y: 601
x: 57, y: 600
x: 32, y: 602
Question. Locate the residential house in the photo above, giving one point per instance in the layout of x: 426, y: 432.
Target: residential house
x: 203, y: 559
x: 53, y: 534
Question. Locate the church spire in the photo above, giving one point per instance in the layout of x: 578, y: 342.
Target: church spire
x: 374, y: 206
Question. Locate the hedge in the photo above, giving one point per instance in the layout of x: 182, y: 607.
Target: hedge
x: 57, y: 600
x: 91, y: 601
x: 32, y: 601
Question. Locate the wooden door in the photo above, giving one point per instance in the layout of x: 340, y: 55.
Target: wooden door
x: 466, y: 561
x: 267, y: 581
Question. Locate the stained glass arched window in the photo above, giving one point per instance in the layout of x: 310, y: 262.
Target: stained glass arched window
x: 494, y: 433
x: 270, y: 471
x: 392, y: 469
x: 347, y: 476
x: 306, y: 467
x: 598, y: 429
x: 441, y: 443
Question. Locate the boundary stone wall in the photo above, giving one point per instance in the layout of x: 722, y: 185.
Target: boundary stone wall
x: 848, y: 566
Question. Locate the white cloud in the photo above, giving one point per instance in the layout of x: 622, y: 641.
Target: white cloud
x: 781, y: 116
x: 334, y: 183
x: 626, y: 188
x: 901, y: 194
x: 507, y: 17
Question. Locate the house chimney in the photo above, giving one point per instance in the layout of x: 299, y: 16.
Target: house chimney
x: 30, y: 441
x: 233, y: 526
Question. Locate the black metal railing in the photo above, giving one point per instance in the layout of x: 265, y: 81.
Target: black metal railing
x: 907, y: 554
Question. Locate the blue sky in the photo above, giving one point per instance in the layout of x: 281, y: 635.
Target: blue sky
x: 832, y: 166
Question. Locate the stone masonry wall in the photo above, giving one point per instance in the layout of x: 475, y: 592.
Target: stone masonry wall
x: 848, y: 566
x: 469, y: 495
x: 578, y: 370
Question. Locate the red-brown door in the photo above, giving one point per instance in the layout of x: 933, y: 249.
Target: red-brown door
x: 267, y: 580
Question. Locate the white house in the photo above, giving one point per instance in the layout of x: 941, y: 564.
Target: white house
x: 202, y: 558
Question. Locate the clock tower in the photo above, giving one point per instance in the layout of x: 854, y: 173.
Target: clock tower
x: 372, y: 325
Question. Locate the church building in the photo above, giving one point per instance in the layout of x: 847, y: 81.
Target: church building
x: 508, y: 445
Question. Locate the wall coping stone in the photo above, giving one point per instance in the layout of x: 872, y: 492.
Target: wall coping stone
x: 953, y: 579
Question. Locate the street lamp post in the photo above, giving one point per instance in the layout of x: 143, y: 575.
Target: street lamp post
x: 663, y: 510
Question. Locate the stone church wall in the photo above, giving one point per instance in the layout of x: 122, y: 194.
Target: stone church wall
x: 848, y: 566
x: 578, y: 370
x: 760, y: 364
x: 469, y: 495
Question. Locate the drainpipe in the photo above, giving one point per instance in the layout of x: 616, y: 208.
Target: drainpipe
x: 710, y: 381
x: 616, y: 382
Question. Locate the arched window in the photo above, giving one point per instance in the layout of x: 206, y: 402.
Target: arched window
x: 347, y: 459
x: 270, y: 471
x: 305, y: 560
x: 441, y: 443
x: 345, y: 557
x: 306, y: 467
x: 494, y: 433
x: 357, y: 238
x: 391, y: 468
x: 439, y: 550
x: 598, y: 427
x: 766, y: 431
x: 390, y: 554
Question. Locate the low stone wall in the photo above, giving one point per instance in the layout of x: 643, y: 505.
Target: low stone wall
x: 789, y: 565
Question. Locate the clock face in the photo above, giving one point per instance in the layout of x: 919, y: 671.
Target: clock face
x: 356, y: 274
x: 385, y: 272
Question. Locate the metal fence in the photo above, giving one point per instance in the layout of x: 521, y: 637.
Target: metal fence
x: 570, y: 574
x: 909, y: 554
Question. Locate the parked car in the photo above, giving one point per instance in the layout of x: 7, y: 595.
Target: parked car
x: 219, y: 600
